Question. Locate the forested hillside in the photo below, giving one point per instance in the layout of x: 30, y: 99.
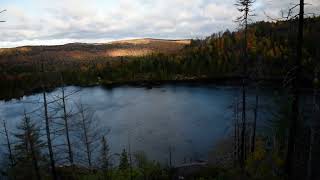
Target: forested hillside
x: 271, y: 47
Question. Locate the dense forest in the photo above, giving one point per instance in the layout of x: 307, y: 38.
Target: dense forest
x: 282, y: 53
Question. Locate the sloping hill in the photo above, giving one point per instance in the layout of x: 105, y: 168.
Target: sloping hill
x: 82, y: 51
x: 140, y: 47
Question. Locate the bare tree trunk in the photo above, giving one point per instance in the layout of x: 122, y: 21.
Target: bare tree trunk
x: 253, y: 140
x: 86, y: 138
x: 236, y: 133
x: 65, y: 118
x: 296, y: 96
x: 52, y: 161
x: 48, y: 133
x: 244, y: 79
x: 105, y: 157
x: 309, y: 175
x: 130, y: 159
x: 32, y: 148
x: 170, y: 157
x: 8, y: 143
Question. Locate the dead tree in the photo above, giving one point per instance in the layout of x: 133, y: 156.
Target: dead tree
x: 244, y: 7
x: 66, y: 117
x: 236, y: 143
x: 47, y: 126
x: 89, y: 132
x: 130, y: 158
x: 66, y: 125
x: 296, y: 96
x: 258, y: 75
x: 170, y: 157
x: 8, y: 143
x: 254, y: 128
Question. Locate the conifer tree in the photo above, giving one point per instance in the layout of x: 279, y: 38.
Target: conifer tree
x: 124, y: 162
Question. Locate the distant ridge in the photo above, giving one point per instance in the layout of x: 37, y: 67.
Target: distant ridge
x: 82, y: 51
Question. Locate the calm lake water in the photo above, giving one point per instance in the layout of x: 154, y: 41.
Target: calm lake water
x: 189, y: 118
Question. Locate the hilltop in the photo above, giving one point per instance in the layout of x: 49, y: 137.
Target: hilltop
x: 84, y: 51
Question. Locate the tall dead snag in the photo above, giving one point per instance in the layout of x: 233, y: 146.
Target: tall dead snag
x: 66, y: 125
x: 66, y: 117
x: 236, y: 130
x: 244, y: 7
x: 47, y: 124
x: 258, y: 75
x: 130, y: 158
x: 296, y: 96
x: 254, y: 128
x: 89, y: 133
x: 8, y: 142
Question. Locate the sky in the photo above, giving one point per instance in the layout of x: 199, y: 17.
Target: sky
x: 51, y: 22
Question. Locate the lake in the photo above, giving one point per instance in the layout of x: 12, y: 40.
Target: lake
x: 188, y: 118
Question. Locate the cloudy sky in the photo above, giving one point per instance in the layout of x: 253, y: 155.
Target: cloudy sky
x: 46, y: 22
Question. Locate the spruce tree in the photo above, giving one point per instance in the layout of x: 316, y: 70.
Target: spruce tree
x: 124, y: 163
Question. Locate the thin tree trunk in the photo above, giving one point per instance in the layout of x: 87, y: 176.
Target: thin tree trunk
x: 253, y: 140
x: 309, y: 175
x: 33, y: 153
x: 244, y: 78
x: 130, y: 159
x: 105, y: 158
x: 236, y: 143
x: 47, y: 124
x: 296, y: 96
x: 65, y: 118
x: 8, y: 143
x: 52, y: 162
x: 238, y: 131
x: 170, y: 157
x: 86, y: 138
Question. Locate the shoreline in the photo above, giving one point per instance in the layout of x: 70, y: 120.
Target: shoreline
x: 149, y: 84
